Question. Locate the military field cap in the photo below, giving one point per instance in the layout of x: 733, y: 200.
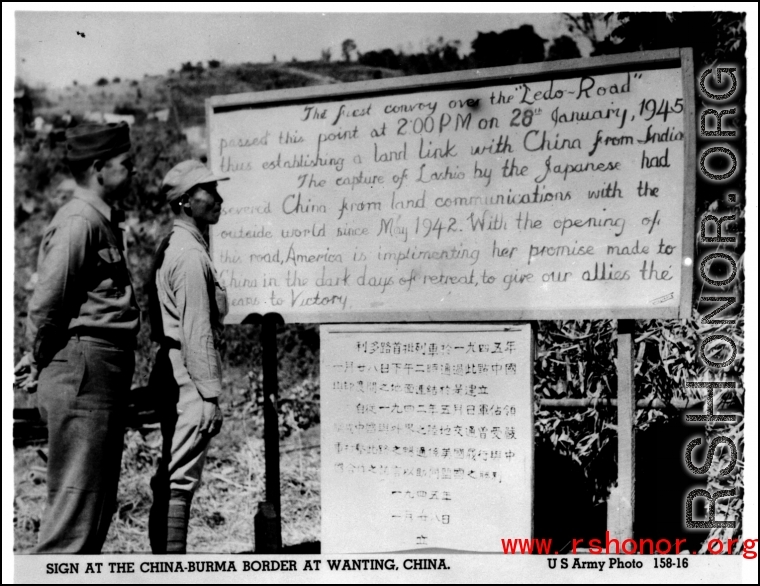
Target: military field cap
x: 186, y: 175
x: 88, y: 142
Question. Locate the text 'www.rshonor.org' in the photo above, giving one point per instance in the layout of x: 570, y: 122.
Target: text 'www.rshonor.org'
x: 612, y: 546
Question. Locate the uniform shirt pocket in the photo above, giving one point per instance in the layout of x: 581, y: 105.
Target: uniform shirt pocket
x: 110, y: 255
x: 220, y: 295
x: 114, y: 268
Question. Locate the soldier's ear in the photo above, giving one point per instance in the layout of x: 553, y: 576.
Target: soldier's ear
x: 98, y: 165
x: 185, y: 205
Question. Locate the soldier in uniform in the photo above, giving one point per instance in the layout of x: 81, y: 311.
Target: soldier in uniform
x: 188, y: 306
x: 82, y: 325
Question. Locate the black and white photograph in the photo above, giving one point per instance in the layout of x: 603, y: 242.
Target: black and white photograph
x: 407, y: 294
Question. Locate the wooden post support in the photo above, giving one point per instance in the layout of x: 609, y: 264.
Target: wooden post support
x: 266, y: 530
x: 621, y: 504
x: 532, y: 363
x: 268, y: 524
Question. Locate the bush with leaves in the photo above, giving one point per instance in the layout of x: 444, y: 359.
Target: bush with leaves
x: 576, y: 360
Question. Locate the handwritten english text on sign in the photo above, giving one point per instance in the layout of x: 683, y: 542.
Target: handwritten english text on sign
x: 510, y: 200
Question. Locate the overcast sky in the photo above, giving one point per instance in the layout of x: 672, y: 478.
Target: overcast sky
x: 55, y: 48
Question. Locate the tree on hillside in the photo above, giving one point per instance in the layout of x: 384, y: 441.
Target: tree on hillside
x: 563, y: 47
x: 438, y: 57
x: 386, y: 58
x: 347, y: 47
x: 509, y: 47
x: 596, y: 27
x: 444, y: 55
x: 326, y: 55
x: 714, y: 36
x: 101, y: 82
x: 214, y: 63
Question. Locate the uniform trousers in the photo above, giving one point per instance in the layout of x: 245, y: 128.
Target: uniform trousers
x: 183, y: 452
x: 83, y: 397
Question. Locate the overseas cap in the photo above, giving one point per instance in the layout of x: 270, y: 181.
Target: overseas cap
x: 186, y: 175
x: 88, y: 142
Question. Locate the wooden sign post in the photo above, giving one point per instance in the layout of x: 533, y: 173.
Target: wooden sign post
x: 556, y: 190
x: 268, y: 526
x: 622, y: 503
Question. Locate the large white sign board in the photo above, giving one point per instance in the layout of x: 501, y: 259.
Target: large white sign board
x: 548, y: 190
x: 427, y: 436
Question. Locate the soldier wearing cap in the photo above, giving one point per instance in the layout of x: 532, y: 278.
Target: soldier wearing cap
x: 188, y: 305
x: 82, y: 325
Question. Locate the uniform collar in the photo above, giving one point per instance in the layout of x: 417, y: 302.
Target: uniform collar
x: 193, y: 229
x: 92, y: 198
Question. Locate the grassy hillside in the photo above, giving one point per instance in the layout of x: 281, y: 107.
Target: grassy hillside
x: 188, y: 88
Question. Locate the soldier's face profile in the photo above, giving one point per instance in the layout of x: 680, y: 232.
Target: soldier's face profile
x: 117, y: 174
x: 206, y: 203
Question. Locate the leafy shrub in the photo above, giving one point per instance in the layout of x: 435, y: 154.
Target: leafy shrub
x: 576, y: 359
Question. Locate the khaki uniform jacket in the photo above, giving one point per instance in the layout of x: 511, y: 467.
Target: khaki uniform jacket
x: 83, y: 282
x: 193, y: 305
